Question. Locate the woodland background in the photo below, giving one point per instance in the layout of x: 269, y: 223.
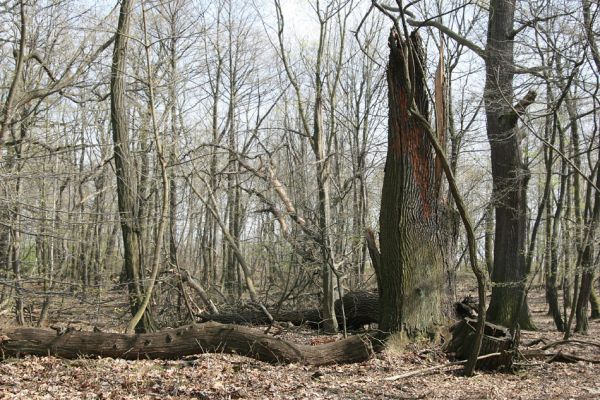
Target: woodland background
x: 253, y: 158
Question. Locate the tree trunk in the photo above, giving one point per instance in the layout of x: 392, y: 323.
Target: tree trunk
x: 411, y: 263
x: 210, y: 337
x: 585, y: 289
x: 489, y: 237
x: 552, y: 278
x: 125, y: 171
x: 510, y: 175
x: 588, y: 265
x: 324, y: 216
x: 594, y: 304
x: 587, y: 257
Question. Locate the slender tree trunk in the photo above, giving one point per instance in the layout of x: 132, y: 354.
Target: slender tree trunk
x: 9, y: 230
x: 47, y: 245
x: 15, y: 163
x: 209, y: 235
x: 573, y: 230
x: 587, y: 264
x: 8, y: 108
x: 173, y: 151
x: 552, y: 278
x: 231, y: 281
x: 174, y: 140
x: 4, y: 242
x: 324, y: 217
x: 162, y: 213
x: 126, y: 173
x: 567, y: 245
x: 324, y: 220
x: 318, y: 143
x: 489, y: 238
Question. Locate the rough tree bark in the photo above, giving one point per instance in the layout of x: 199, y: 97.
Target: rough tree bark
x: 210, y: 337
x: 510, y: 175
x: 411, y: 221
x: 588, y: 265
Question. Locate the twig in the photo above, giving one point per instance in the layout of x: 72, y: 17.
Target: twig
x: 535, y: 341
x: 571, y: 341
x: 436, y: 368
x: 558, y: 357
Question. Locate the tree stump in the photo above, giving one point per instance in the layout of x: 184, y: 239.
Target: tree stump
x: 496, y: 339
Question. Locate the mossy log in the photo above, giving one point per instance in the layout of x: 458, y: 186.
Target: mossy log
x: 211, y: 337
x: 496, y: 339
x: 360, y: 307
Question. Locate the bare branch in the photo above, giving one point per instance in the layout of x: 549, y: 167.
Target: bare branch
x: 450, y: 33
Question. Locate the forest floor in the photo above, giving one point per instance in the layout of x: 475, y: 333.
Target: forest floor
x: 221, y: 376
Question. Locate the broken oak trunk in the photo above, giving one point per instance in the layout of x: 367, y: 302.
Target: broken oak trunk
x: 210, y: 337
x: 496, y: 339
x: 413, y: 237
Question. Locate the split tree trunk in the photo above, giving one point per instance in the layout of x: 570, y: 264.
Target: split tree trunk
x: 210, y: 337
x: 411, y: 219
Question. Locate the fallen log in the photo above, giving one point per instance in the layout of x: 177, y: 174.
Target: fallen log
x: 361, y: 308
x: 496, y: 339
x: 211, y: 337
x: 311, y: 317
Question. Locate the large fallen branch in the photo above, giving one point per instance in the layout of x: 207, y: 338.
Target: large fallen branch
x: 210, y: 337
x: 360, y: 308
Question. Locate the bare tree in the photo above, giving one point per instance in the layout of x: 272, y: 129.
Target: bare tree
x: 127, y: 184
x: 319, y: 145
